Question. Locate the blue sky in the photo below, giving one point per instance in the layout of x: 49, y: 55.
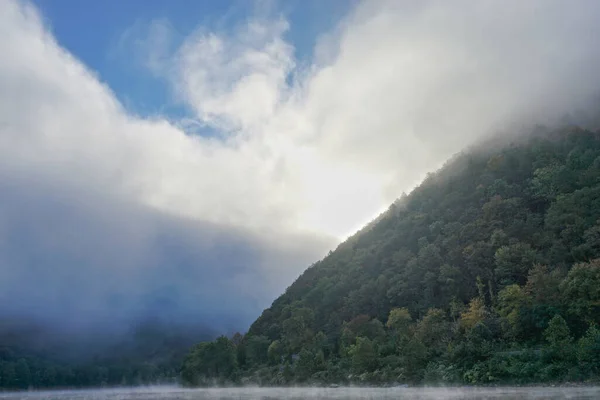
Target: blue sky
x: 93, y: 32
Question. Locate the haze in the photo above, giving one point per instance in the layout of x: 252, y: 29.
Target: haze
x: 159, y: 392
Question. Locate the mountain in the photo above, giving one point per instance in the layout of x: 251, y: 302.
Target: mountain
x: 488, y: 272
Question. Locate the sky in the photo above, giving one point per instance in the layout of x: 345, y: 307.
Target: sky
x: 191, y: 158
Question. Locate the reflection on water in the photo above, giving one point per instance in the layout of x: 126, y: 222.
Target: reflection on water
x: 170, y: 393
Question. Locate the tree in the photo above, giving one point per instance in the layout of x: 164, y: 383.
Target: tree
x: 256, y: 349
x: 22, y: 374
x: 558, y: 334
x: 8, y: 376
x: 413, y: 355
x: 476, y: 313
x: 511, y: 302
x: 399, y: 320
x: 545, y: 183
x: 275, y: 352
x: 364, y: 356
x: 210, y: 361
x: 543, y: 285
x: 363, y: 325
x: 513, y: 263
x: 307, y: 364
x: 298, y: 327
x: 581, y: 291
x: 588, y: 351
x: 433, y: 331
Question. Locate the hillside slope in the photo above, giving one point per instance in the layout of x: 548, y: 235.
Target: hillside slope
x: 484, y: 273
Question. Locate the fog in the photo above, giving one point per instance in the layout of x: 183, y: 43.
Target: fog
x: 109, y: 218
x: 82, y: 267
x: 506, y: 393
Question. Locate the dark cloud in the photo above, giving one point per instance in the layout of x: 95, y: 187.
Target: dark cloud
x: 84, y: 262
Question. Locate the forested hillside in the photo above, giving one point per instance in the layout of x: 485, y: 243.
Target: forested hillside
x: 488, y: 272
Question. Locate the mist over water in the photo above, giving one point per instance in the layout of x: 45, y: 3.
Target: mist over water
x: 173, y: 393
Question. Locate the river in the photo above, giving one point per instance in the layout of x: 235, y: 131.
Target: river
x: 175, y: 393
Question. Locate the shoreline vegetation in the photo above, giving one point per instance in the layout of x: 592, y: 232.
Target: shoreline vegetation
x: 487, y: 273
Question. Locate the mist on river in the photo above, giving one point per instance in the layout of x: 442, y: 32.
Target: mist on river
x: 175, y: 393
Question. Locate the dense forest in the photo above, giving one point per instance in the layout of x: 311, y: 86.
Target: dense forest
x: 19, y: 371
x: 487, y: 273
x: 152, y: 355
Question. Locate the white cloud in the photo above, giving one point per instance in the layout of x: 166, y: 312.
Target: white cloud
x: 235, y: 84
x: 396, y: 89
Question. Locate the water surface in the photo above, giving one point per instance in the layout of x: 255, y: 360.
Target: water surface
x: 174, y: 393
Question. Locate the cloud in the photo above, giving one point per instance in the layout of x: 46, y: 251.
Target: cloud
x: 116, y: 206
x: 392, y: 92
x: 236, y: 84
x: 91, y: 261
x: 97, y: 229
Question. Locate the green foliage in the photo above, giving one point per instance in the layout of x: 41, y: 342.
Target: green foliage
x: 399, y: 319
x: 475, y: 314
x: 488, y: 272
x: 513, y: 262
x: 257, y: 349
x: 512, y: 301
x: 557, y: 334
x: 154, y: 357
x: 363, y: 355
x: 24, y: 372
x: 275, y: 352
x: 581, y: 289
x: 210, y: 362
x: 588, y: 351
x: 434, y: 331
x: 297, y: 328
